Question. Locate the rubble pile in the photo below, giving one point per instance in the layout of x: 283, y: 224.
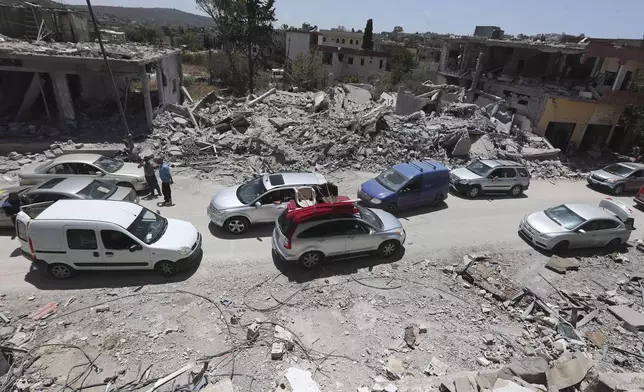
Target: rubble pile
x: 346, y: 128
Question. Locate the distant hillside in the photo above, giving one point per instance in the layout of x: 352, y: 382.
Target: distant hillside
x: 153, y: 16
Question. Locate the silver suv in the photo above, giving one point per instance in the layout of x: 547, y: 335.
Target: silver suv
x: 340, y: 230
x: 263, y: 199
x: 490, y: 176
x: 618, y: 177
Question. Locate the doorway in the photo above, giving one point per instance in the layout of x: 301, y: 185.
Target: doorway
x: 617, y: 141
x: 595, y: 137
x: 559, y: 134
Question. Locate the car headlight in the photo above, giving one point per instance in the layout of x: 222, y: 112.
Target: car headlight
x: 184, y: 250
x: 399, y: 231
x: 547, y: 236
x: 610, y: 180
x: 375, y: 201
x: 141, y: 179
x: 465, y: 182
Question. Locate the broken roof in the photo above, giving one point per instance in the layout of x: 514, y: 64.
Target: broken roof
x: 12, y: 48
x: 357, y: 52
x: 537, y: 45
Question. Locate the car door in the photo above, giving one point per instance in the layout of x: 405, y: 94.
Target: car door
x: 410, y: 195
x: 271, y: 204
x: 60, y: 170
x: 585, y: 235
x: 635, y: 180
x: 331, y: 238
x: 26, y: 214
x: 90, y: 171
x: 508, y: 178
x: 493, y: 182
x: 359, y: 238
x: 83, y: 248
x: 607, y: 230
x: 122, y: 251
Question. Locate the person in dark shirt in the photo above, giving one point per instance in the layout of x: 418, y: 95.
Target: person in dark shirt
x: 11, y: 206
x: 150, y: 176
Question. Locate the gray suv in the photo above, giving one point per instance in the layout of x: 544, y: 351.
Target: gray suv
x: 618, y: 177
x: 490, y: 176
x: 340, y: 230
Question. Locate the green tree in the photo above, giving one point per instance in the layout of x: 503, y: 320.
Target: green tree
x: 284, y: 27
x: 307, y: 70
x: 243, y: 26
x: 367, y: 37
x: 401, y: 64
x: 398, y: 29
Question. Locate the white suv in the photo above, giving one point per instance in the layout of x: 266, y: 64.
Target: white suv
x: 340, y: 230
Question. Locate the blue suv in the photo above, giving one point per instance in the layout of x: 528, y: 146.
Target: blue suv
x: 407, y: 185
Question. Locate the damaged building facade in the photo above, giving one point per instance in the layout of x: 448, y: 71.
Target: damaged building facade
x: 575, y: 94
x: 31, y: 21
x: 51, y: 80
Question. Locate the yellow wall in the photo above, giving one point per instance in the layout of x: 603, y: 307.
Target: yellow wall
x: 580, y: 112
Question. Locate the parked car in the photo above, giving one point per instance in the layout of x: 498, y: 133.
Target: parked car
x: 566, y: 226
x: 490, y: 176
x: 92, y: 166
x: 70, y: 235
x: 264, y: 198
x: 406, y: 185
x: 639, y: 198
x: 618, y: 177
x: 339, y: 230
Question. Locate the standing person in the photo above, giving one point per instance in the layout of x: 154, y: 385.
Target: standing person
x: 166, y: 181
x: 150, y: 176
x: 11, y: 206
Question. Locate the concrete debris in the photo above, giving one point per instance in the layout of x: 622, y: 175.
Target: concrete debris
x: 285, y: 336
x: 391, y: 388
x: 465, y: 384
x: 320, y: 102
x: 297, y: 380
x: 509, y: 386
x: 489, y: 278
x: 102, y: 308
x: 407, y: 103
x: 363, y: 389
x: 569, y: 373
x: 483, y: 361
x: 278, y: 349
x: 377, y: 388
x: 410, y: 336
x: 394, y: 368
x: 597, y: 338
x: 225, y: 385
x: 629, y: 316
x: 561, y: 265
x: 436, y: 368
x: 252, y: 331
x: 422, y: 328
x: 530, y: 369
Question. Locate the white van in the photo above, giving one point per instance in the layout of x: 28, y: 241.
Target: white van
x: 69, y: 235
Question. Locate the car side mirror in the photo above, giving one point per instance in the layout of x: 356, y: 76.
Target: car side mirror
x: 258, y: 204
x: 372, y: 232
x: 135, y: 247
x: 100, y: 174
x: 581, y: 231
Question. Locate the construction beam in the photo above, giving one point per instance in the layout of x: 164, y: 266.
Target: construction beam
x: 32, y: 93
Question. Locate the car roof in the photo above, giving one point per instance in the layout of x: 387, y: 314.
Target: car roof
x: 73, y: 158
x: 632, y: 165
x: 287, y: 179
x: 413, y: 168
x: 118, y: 212
x: 63, y: 185
x: 589, y: 211
x: 500, y: 162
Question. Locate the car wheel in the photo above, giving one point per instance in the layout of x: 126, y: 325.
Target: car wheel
x: 125, y: 185
x: 61, y: 271
x: 388, y: 248
x: 473, y: 191
x: 561, y: 247
x: 311, y: 259
x: 236, y: 225
x: 439, y: 199
x: 619, y: 188
x: 392, y: 208
x: 166, y: 268
x: 516, y: 190
x: 614, y: 243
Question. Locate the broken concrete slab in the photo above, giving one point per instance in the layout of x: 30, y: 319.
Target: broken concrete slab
x: 278, y: 349
x: 356, y: 95
x: 561, y: 265
x: 530, y: 369
x: 225, y: 385
x: 569, y: 373
x: 436, y: 368
x: 407, y: 103
x: 610, y: 382
x: 391, y: 388
x: 462, y: 146
x: 486, y: 378
x: 297, y: 380
x: 395, y: 368
x: 465, y: 384
x: 320, y: 102
x: 491, y: 281
x: 629, y: 316
x: 410, y: 336
x: 285, y: 336
x: 503, y: 385
x: 180, y: 120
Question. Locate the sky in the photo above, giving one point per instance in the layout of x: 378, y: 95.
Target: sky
x: 594, y: 18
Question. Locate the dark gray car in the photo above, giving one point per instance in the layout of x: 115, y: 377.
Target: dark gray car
x: 618, y: 177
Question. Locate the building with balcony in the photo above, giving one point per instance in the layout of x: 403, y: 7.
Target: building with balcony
x: 337, y: 38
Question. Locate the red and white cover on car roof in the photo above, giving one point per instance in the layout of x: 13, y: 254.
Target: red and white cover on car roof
x: 300, y: 215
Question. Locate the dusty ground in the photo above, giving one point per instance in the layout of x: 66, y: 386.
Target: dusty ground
x: 348, y: 316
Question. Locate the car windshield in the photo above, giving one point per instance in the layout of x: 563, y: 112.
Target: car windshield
x: 392, y: 179
x: 479, y: 168
x: 370, y: 217
x: 564, y: 217
x: 97, y: 190
x: 148, y: 226
x: 251, y: 190
x: 110, y: 165
x: 618, y: 170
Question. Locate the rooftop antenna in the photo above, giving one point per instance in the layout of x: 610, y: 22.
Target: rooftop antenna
x: 128, y: 136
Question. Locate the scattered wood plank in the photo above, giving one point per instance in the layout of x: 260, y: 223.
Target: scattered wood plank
x: 262, y: 97
x: 185, y: 92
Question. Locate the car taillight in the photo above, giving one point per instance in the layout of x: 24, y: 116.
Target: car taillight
x: 31, y: 248
x: 287, y: 243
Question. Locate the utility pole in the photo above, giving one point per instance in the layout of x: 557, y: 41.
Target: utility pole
x: 129, y: 144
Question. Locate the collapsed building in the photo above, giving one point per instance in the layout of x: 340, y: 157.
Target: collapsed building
x: 30, y: 20
x: 577, y: 95
x: 52, y: 81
